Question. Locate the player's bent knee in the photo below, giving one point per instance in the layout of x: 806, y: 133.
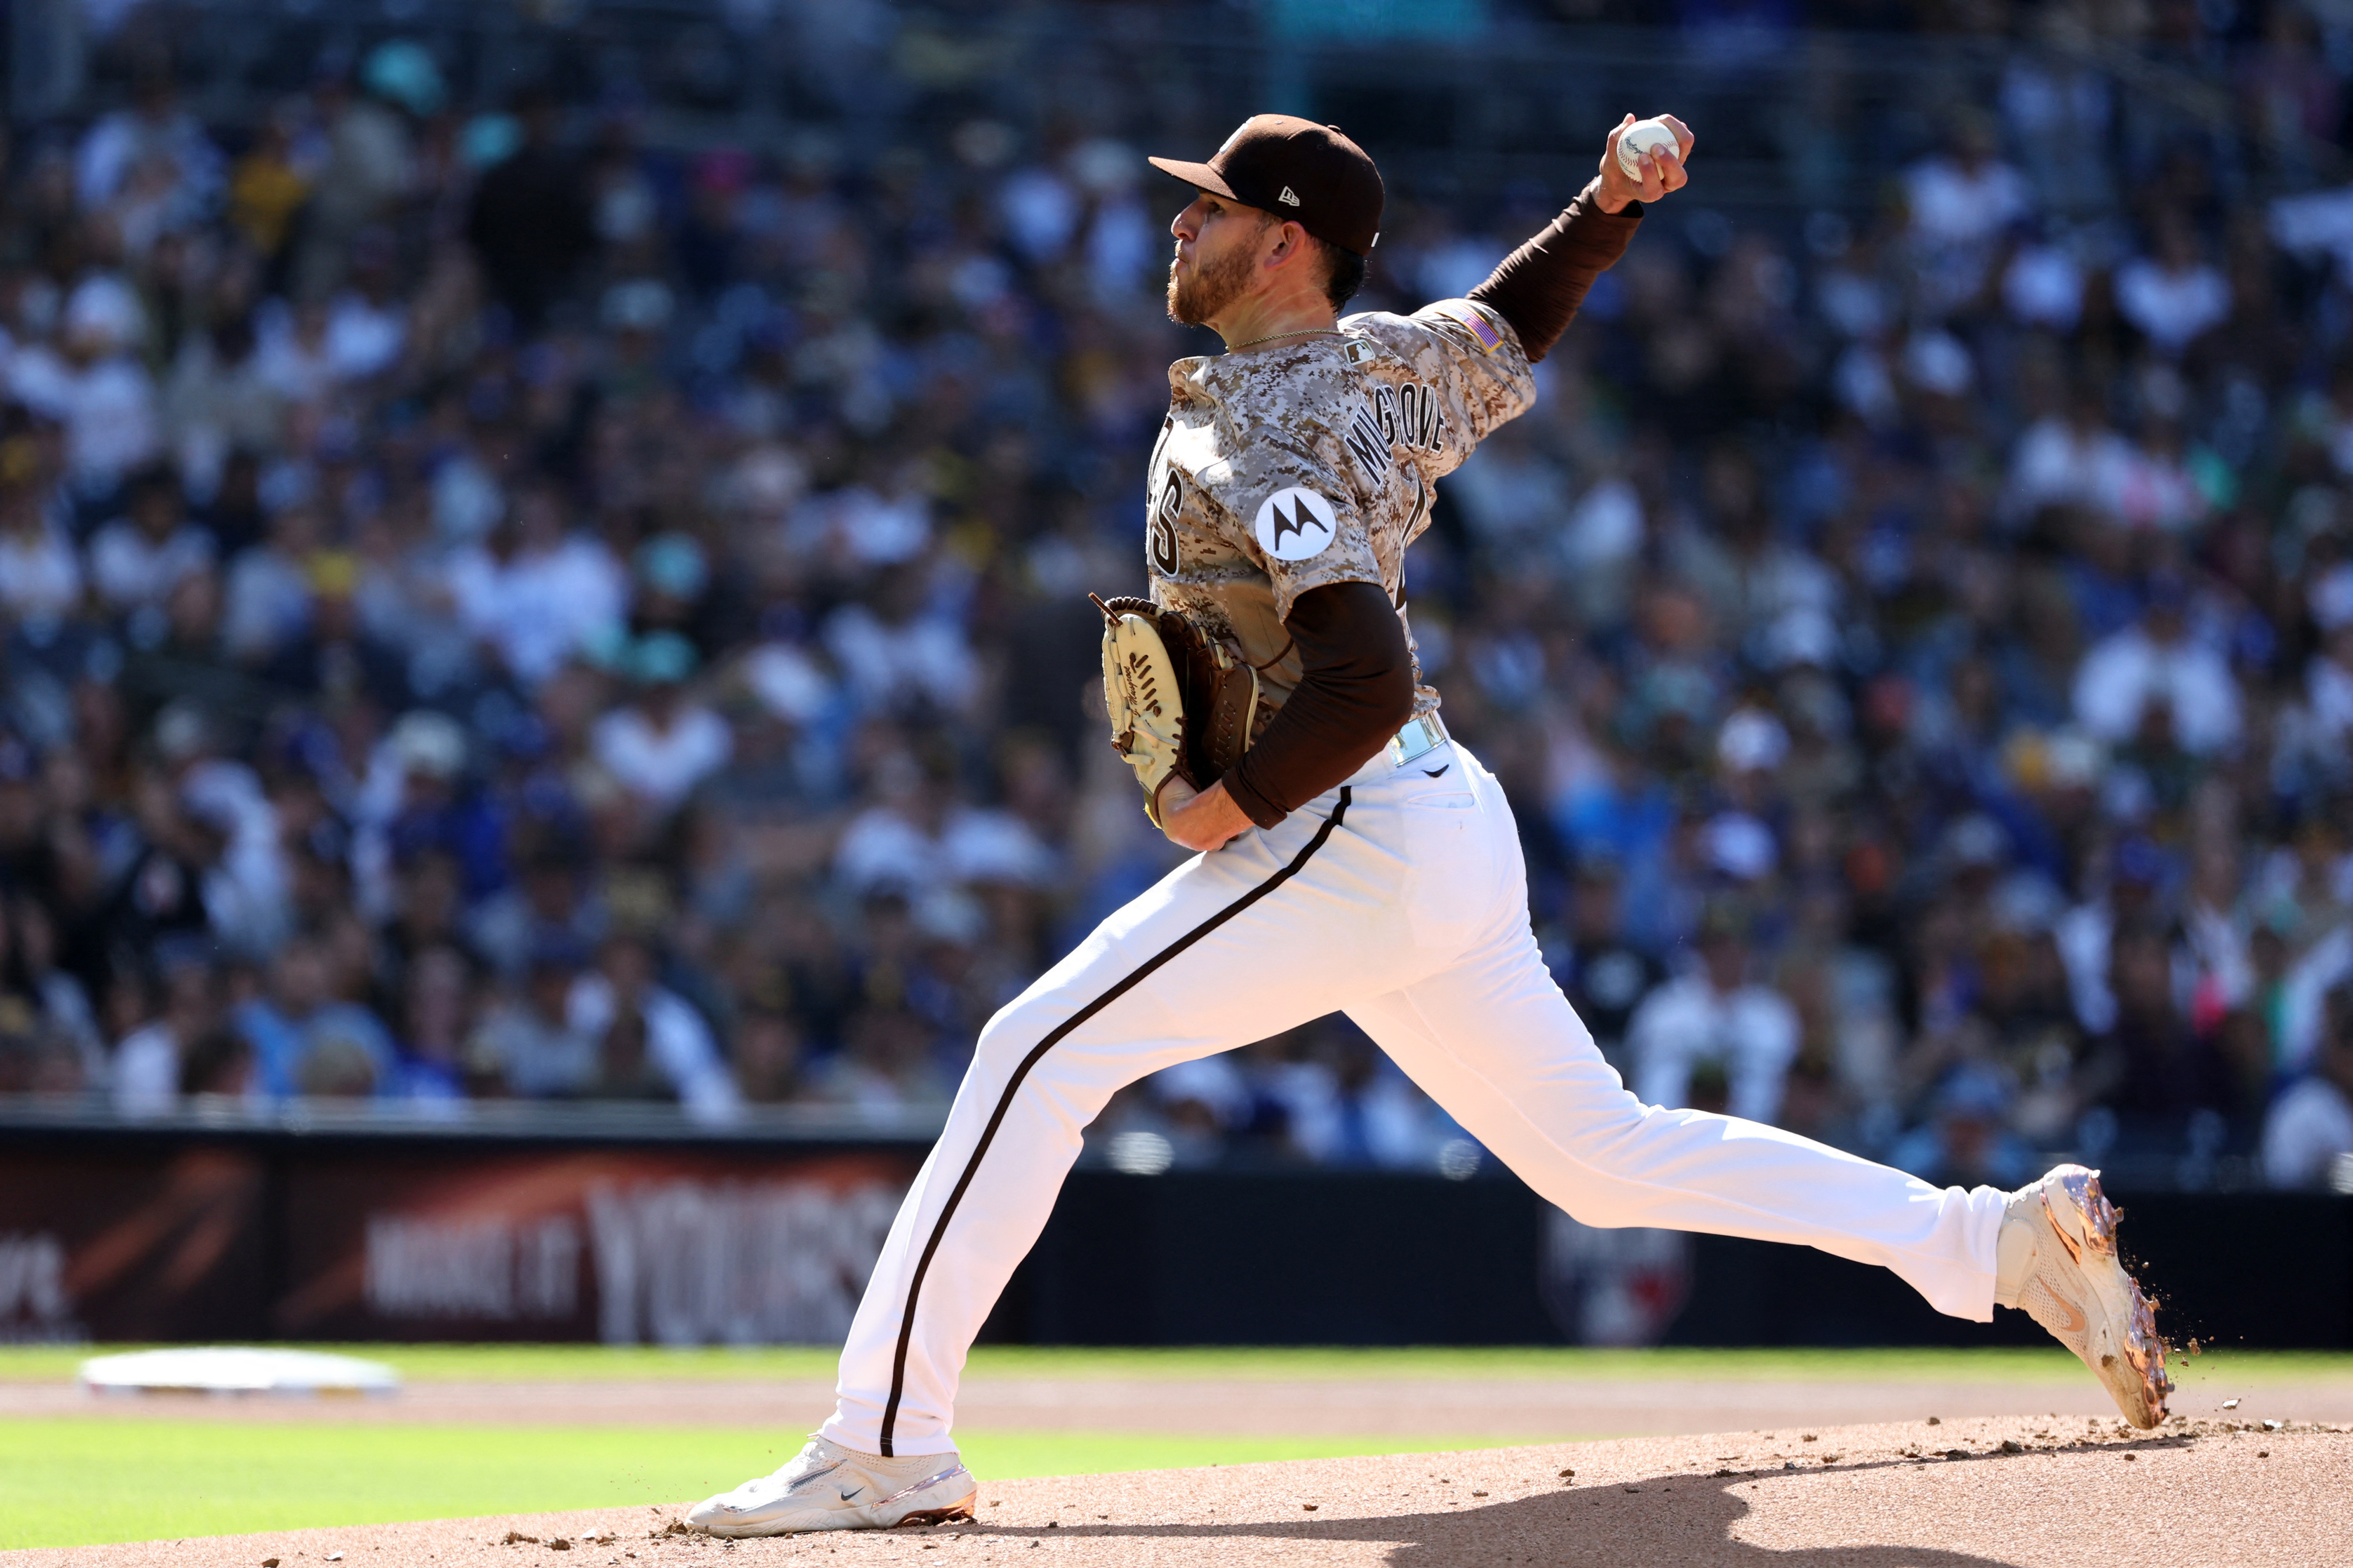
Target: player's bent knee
x: 1007, y: 1036
x: 1014, y: 1034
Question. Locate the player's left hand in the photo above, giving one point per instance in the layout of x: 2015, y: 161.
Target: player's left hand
x: 1208, y: 820
x: 1662, y: 172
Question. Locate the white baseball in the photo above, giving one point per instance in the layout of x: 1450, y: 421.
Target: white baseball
x: 1644, y: 136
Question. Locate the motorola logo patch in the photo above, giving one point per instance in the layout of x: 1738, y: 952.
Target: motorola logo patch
x: 1296, y: 523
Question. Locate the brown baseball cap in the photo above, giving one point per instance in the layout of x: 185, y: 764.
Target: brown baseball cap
x: 1295, y: 169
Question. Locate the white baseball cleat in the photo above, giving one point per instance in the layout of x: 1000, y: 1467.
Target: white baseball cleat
x: 2058, y: 1263
x: 827, y: 1487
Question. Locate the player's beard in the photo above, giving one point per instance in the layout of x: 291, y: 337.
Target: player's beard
x: 1200, y: 296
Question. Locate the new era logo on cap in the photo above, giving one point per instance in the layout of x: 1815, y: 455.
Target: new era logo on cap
x: 1287, y: 198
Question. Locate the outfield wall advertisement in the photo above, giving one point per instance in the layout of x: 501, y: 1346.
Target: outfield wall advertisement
x: 159, y: 1235
x: 630, y: 1247
x: 133, y: 1247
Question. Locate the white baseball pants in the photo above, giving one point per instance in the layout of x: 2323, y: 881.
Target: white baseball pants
x: 1400, y: 899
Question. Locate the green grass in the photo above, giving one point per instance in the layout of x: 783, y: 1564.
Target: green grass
x: 541, y: 1363
x: 62, y: 1481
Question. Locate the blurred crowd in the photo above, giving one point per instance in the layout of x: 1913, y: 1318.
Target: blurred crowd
x: 496, y: 607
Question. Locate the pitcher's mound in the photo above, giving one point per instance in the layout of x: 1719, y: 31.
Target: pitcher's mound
x: 2059, y: 1493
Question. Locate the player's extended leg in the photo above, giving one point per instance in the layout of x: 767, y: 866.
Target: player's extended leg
x: 1276, y: 928
x: 1492, y: 1040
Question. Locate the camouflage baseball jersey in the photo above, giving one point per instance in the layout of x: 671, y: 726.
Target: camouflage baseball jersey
x: 1283, y: 469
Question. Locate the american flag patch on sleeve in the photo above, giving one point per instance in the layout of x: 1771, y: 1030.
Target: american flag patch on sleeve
x: 1462, y: 310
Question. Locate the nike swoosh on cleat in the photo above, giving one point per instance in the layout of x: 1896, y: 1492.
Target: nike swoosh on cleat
x: 851, y: 1493
x: 2073, y: 1314
x: 1433, y: 773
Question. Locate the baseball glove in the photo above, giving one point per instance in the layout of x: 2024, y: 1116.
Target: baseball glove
x: 1181, y: 704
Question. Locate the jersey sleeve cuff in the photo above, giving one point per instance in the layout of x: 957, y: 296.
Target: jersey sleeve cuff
x: 1263, y: 812
x: 1288, y: 589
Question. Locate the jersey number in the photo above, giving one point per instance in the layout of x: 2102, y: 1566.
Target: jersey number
x: 1162, y: 527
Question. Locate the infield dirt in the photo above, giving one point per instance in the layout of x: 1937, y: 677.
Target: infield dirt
x: 2056, y: 1492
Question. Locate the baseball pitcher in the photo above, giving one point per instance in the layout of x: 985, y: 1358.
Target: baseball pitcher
x: 1352, y: 856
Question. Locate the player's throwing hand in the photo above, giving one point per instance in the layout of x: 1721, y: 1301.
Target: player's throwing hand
x: 1662, y: 166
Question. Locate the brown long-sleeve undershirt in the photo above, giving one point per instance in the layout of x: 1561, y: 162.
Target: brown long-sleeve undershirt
x: 1354, y: 691
x: 1539, y: 285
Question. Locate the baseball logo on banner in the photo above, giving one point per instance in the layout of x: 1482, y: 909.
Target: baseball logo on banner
x: 1296, y: 523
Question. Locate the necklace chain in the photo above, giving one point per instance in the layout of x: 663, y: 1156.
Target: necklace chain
x: 1270, y: 337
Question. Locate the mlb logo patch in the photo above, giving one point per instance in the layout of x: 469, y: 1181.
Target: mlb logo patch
x: 1490, y: 340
